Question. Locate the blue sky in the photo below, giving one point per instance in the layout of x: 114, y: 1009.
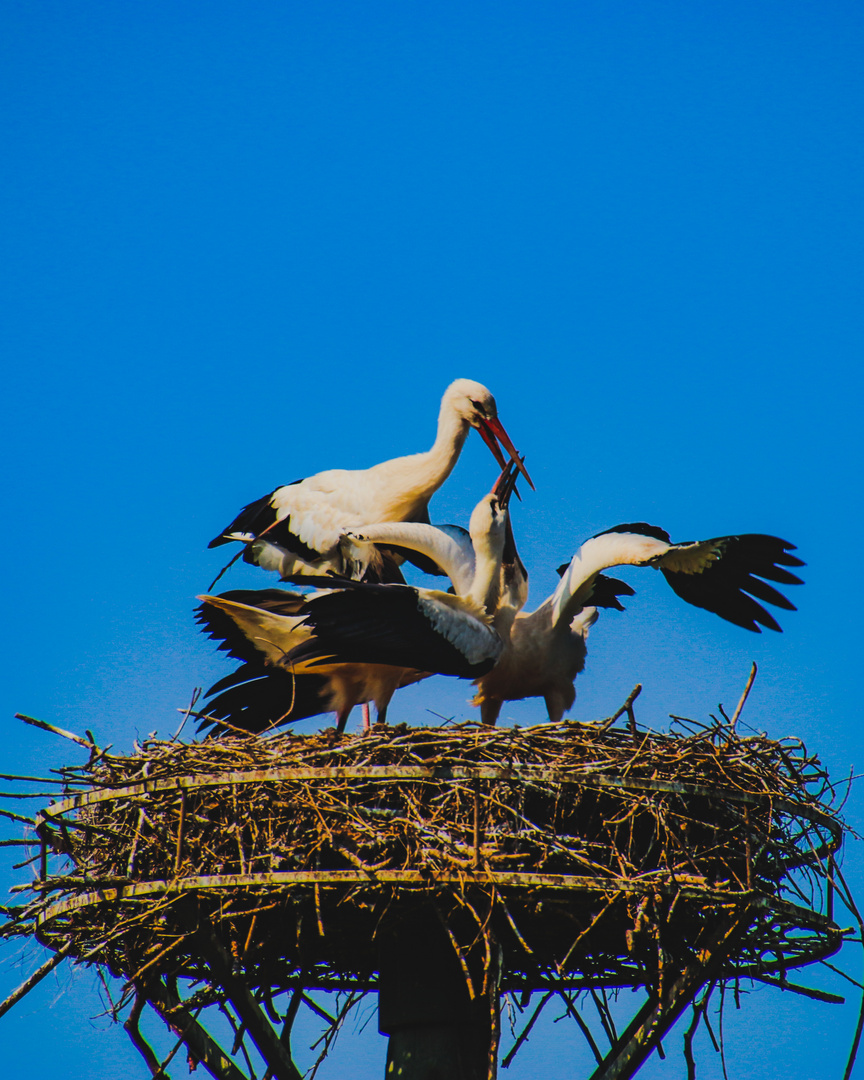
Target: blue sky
x: 247, y: 242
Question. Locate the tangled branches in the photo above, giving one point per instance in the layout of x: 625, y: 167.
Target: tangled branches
x: 588, y: 857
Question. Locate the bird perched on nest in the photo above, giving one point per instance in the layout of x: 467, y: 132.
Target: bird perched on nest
x: 355, y: 641
x: 544, y: 650
x: 296, y: 528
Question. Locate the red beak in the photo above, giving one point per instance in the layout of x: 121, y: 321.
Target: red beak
x: 492, y: 432
x: 505, y: 485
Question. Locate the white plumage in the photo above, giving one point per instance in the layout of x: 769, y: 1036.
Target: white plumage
x: 296, y: 528
x: 356, y: 641
x: 544, y: 650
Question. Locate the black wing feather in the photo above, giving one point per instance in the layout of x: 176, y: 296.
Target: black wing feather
x: 260, y: 517
x: 253, y: 518
x: 723, y: 586
x: 257, y: 697
x: 219, y: 625
x: 381, y: 624
x: 640, y: 528
x: 606, y: 591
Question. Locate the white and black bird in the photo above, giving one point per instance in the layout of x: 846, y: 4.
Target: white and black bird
x: 544, y: 650
x: 355, y: 641
x: 296, y: 528
x: 449, y: 548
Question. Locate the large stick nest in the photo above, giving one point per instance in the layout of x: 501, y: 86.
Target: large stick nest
x: 594, y: 855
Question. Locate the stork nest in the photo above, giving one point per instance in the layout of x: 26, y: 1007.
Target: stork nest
x: 595, y: 856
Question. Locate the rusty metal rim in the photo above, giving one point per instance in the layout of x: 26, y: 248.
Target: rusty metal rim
x: 436, y: 774
x: 556, y: 882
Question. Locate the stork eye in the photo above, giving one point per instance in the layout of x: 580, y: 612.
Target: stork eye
x: 479, y: 407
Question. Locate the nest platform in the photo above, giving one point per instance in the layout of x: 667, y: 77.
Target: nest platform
x: 560, y: 857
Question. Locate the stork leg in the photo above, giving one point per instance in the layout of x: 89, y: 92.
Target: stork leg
x: 342, y: 718
x: 555, y: 706
x: 489, y: 710
x: 367, y: 722
x: 380, y: 714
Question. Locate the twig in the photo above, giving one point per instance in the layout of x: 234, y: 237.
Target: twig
x: 804, y: 991
x: 196, y: 694
x: 331, y: 1034
x: 176, y: 1014
x: 744, y: 696
x: 269, y: 1046
x: 144, y: 1048
x: 505, y: 1063
x: 56, y: 731
x: 31, y: 779
x: 37, y: 977
x: 699, y: 1010
x: 853, y: 908
x: 583, y: 1027
x: 627, y: 707
x: 225, y: 569
x: 720, y: 1030
x: 18, y: 817
x: 476, y: 823
x: 134, y: 848
x: 181, y: 822
x: 605, y: 1015
x: 843, y: 974
x: 310, y: 1003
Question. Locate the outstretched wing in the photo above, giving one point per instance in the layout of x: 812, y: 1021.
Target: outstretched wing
x: 252, y: 624
x: 719, y: 574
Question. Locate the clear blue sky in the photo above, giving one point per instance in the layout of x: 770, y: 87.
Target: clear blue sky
x: 245, y: 242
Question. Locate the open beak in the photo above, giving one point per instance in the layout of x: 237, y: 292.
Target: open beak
x: 492, y: 432
x: 505, y: 485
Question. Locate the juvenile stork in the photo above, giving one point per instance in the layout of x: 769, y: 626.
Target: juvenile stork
x: 356, y: 641
x: 544, y: 650
x: 296, y: 528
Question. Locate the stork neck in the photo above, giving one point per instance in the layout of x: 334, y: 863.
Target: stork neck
x: 435, y: 465
x: 485, y: 588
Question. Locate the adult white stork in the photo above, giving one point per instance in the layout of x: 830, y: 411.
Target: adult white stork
x: 544, y: 650
x: 356, y: 641
x: 296, y: 528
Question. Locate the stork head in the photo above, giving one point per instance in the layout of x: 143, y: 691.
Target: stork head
x: 488, y: 531
x: 488, y: 524
x: 475, y: 405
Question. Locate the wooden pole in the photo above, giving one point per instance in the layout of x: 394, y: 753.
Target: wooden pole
x: 432, y: 1005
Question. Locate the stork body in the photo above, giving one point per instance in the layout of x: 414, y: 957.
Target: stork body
x: 297, y: 526
x: 277, y: 683
x: 544, y: 650
x: 361, y: 641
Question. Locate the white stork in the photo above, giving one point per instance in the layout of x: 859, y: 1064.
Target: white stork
x: 544, y: 650
x: 296, y: 528
x: 356, y: 641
